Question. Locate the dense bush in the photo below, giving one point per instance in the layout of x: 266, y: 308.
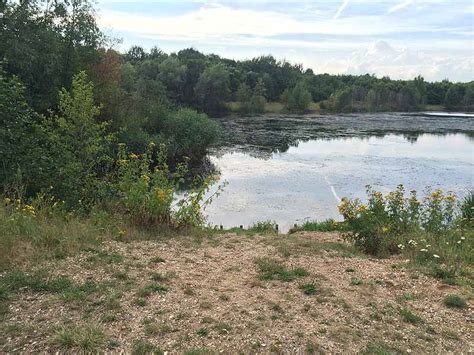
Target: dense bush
x: 188, y: 133
x: 434, y: 231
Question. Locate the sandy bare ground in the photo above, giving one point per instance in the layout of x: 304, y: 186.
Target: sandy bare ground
x: 215, y: 300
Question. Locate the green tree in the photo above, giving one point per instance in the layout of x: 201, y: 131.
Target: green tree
x: 453, y: 97
x: 258, y: 100
x: 79, y: 148
x: 212, y: 89
x: 244, y: 95
x: 19, y: 146
x: 298, y: 98
x: 172, y: 76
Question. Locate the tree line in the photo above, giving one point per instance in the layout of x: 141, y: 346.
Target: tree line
x: 67, y: 95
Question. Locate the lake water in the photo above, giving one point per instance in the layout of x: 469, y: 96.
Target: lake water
x: 290, y: 169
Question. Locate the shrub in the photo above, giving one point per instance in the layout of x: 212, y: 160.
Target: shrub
x: 149, y: 190
x: 382, y: 225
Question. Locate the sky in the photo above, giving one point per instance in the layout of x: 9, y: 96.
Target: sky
x: 396, y: 38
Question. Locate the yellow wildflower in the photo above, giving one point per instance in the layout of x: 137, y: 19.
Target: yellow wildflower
x: 362, y: 208
x: 160, y: 195
x: 145, y: 177
x: 133, y: 156
x: 7, y: 200
x: 385, y: 229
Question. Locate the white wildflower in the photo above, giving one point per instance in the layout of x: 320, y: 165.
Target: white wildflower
x: 435, y: 256
x: 424, y: 250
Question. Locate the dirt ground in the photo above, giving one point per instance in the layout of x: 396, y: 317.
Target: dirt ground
x: 212, y: 297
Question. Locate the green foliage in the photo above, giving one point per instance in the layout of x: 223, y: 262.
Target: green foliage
x: 189, y: 134
x: 88, y: 338
x: 147, y: 191
x: 433, y: 231
x: 308, y: 289
x: 79, y: 148
x: 143, y: 347
x: 298, y: 98
x: 252, y: 102
x: 19, y: 151
x: 212, y: 89
x: 42, y: 230
x: 454, y: 301
x: 46, y: 45
x: 409, y: 317
x: 327, y: 225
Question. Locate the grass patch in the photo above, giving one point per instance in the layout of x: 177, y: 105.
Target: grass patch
x: 409, y: 317
x: 272, y: 269
x: 328, y: 225
x: 308, y: 289
x: 85, y: 337
x: 202, y: 332
x: 378, y: 348
x: 406, y: 297
x: 143, y: 347
x: 147, y: 290
x: 455, y: 301
x: 356, y: 281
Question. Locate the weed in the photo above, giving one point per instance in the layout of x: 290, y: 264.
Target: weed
x: 378, y: 348
x: 147, y: 290
x: 349, y: 269
x: 450, y: 334
x: 454, y: 301
x: 202, y: 332
x: 108, y: 318
x: 308, y: 289
x: 406, y: 297
x: 188, y: 291
x: 140, y: 302
x: 356, y: 282
x: 222, y: 328
x: 271, y: 269
x: 409, y: 317
x: 86, y: 337
x: 157, y: 259
x: 143, y: 347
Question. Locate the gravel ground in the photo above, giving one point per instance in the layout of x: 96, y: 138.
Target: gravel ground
x: 216, y: 300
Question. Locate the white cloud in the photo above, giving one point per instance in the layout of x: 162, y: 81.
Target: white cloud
x: 341, y: 8
x: 399, y: 6
x: 403, y: 63
x: 334, y: 44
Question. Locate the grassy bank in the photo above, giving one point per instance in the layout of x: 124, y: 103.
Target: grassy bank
x: 105, y: 281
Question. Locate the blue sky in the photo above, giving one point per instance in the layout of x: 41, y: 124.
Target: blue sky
x: 399, y: 38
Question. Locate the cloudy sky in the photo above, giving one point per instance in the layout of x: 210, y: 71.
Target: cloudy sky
x: 398, y: 38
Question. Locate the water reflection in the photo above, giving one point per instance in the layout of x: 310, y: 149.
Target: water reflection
x: 281, y: 177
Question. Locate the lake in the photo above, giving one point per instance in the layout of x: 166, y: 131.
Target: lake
x: 290, y: 168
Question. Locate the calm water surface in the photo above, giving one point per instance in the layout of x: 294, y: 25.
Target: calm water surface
x: 301, y: 171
